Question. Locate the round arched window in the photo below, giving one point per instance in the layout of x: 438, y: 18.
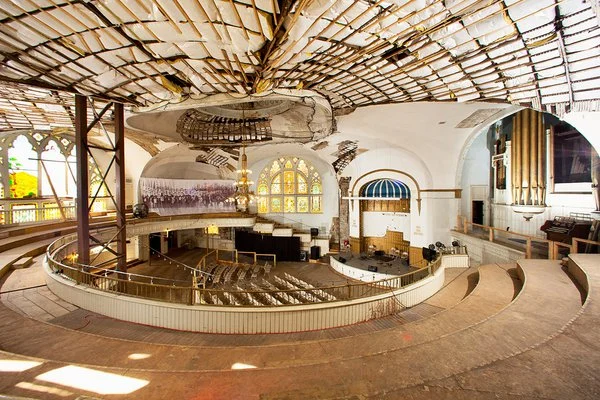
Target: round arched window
x: 289, y: 185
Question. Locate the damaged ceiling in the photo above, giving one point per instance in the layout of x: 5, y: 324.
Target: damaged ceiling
x: 317, y: 59
x: 542, y: 53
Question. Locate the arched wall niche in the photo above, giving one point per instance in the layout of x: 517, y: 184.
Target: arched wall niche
x: 384, y: 216
x: 261, y: 156
x: 356, y: 215
x: 473, y: 178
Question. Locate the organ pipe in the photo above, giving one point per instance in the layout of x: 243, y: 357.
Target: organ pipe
x: 516, y: 162
x: 525, y: 158
x: 528, y: 159
x: 541, y: 161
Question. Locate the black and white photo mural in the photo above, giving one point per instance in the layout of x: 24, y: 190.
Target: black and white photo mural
x: 187, y: 196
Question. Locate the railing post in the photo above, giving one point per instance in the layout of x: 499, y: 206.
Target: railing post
x: 465, y: 228
x: 491, y: 234
x: 574, y: 246
x: 528, y: 248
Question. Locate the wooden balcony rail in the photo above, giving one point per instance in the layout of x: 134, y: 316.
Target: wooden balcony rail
x: 497, y: 235
x: 61, y: 256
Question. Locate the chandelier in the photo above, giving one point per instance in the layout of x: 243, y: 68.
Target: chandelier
x: 243, y: 196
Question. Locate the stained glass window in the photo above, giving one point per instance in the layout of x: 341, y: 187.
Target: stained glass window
x: 289, y: 204
x: 263, y: 205
x: 276, y: 204
x: 302, y: 186
x: 276, y: 185
x: 288, y: 182
x: 302, y: 204
x: 295, y: 179
x: 275, y: 168
x: 262, y: 189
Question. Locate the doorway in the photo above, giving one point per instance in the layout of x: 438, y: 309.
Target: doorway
x: 477, y: 212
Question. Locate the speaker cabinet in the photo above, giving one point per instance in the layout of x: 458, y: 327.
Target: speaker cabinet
x: 315, y: 252
x: 303, y: 255
x: 342, y: 260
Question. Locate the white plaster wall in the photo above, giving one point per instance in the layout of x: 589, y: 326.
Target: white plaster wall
x: 179, y: 162
x: 378, y: 223
x: 426, y: 129
x: 261, y: 156
x: 587, y: 123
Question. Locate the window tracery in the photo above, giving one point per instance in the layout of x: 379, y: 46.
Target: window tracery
x: 289, y: 185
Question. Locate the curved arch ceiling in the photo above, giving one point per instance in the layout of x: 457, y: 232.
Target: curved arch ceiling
x: 540, y: 53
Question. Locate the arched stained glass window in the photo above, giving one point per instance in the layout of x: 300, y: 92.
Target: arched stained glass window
x: 289, y: 185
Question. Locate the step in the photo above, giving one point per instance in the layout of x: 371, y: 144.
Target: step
x: 23, y: 262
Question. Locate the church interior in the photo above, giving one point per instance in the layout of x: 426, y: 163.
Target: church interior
x: 298, y: 199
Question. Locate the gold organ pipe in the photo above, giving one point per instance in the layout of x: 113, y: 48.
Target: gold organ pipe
x: 533, y: 161
x: 513, y: 161
x: 526, y: 157
x: 541, y: 161
x: 517, y: 160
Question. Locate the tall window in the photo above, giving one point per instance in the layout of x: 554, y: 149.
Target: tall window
x: 289, y: 185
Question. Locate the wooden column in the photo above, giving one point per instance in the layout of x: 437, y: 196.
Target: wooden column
x: 83, y: 215
x: 120, y: 187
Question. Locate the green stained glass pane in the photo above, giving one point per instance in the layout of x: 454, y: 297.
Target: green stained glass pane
x: 316, y: 188
x: 302, y: 204
x: 262, y: 189
x: 276, y: 204
x: 316, y: 204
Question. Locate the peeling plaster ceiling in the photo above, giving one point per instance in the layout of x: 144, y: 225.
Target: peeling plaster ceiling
x: 542, y: 53
x: 163, y: 57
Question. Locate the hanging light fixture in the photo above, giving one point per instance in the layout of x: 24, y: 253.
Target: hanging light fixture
x: 243, y: 196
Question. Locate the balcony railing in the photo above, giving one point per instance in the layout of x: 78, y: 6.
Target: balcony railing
x: 61, y: 259
x: 23, y: 211
x: 533, y: 247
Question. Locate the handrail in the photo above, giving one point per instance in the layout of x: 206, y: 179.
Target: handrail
x: 187, y: 295
x: 99, y: 269
x: 286, y: 218
x: 553, y: 246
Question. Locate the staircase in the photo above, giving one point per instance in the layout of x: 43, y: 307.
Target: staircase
x: 269, y: 227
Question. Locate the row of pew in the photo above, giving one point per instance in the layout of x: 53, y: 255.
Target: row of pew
x: 279, y: 290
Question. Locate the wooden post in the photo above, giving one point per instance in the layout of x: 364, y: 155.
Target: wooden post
x: 120, y: 188
x: 491, y: 234
x: 528, y: 248
x: 83, y: 215
x: 465, y: 228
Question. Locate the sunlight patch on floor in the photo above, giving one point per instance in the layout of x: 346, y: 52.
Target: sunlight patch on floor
x: 92, y: 380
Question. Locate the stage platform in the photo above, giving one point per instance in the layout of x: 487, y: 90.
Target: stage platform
x: 384, y: 264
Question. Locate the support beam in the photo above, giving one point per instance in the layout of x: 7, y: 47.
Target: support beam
x: 120, y: 187
x: 83, y: 216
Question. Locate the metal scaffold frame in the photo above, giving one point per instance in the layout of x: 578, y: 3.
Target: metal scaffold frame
x: 84, y: 202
